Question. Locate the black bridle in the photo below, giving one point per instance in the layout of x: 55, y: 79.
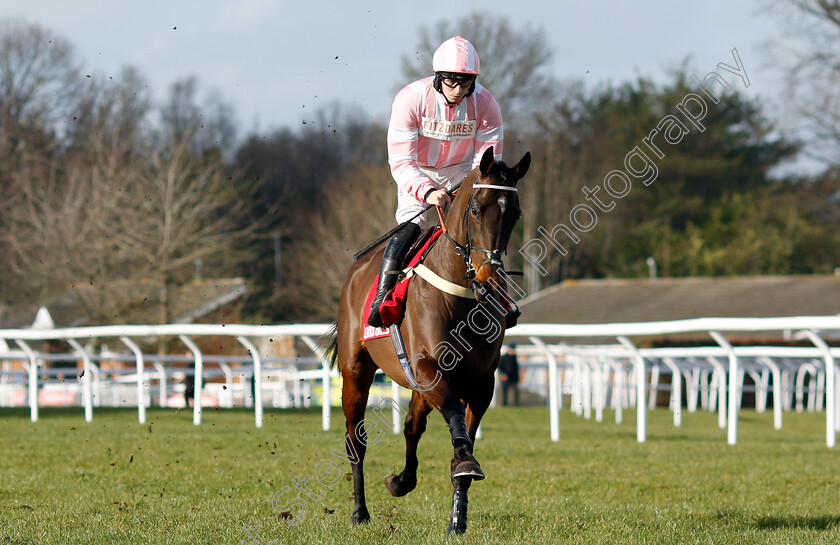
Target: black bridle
x: 494, y: 257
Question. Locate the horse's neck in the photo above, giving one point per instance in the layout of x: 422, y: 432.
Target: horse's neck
x: 443, y: 260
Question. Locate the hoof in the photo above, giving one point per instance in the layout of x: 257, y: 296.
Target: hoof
x: 360, y: 516
x: 469, y: 469
x: 399, y: 487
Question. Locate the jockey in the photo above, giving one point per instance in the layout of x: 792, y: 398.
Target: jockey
x: 440, y: 127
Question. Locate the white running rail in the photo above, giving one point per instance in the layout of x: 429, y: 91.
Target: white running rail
x: 592, y: 365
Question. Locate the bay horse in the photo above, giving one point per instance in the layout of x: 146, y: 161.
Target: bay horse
x: 454, y: 340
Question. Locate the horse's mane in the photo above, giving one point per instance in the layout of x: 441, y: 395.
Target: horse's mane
x: 464, y: 190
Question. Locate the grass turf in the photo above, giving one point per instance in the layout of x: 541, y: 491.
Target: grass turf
x: 63, y: 481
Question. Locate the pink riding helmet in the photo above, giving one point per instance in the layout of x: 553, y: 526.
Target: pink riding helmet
x: 456, y: 55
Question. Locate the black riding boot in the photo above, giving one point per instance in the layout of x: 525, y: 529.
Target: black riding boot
x: 395, y: 253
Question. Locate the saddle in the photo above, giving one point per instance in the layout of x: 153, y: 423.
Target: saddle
x: 393, y: 307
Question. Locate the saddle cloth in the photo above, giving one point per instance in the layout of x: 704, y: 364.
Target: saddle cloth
x: 393, y: 307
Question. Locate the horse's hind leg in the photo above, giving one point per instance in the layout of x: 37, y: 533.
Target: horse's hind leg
x: 415, y: 425
x: 357, y: 377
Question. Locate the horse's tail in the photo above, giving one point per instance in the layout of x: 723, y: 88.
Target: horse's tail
x: 332, y: 349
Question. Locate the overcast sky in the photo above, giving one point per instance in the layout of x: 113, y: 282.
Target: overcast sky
x: 275, y: 61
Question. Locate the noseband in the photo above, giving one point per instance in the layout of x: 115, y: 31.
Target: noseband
x: 464, y: 250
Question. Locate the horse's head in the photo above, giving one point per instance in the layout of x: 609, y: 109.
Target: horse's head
x: 488, y: 202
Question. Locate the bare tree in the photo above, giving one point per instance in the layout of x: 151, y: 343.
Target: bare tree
x: 51, y: 231
x: 108, y: 122
x: 89, y: 226
x: 810, y: 55
x: 209, y: 124
x: 92, y: 198
x: 39, y: 75
x: 351, y: 217
x: 509, y: 58
x: 180, y: 209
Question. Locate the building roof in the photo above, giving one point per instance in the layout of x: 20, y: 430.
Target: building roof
x: 129, y: 303
x: 644, y: 300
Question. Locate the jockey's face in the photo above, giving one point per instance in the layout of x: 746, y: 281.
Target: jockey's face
x: 455, y: 91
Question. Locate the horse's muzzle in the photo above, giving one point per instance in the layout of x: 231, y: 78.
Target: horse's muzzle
x: 482, y: 285
x: 488, y: 270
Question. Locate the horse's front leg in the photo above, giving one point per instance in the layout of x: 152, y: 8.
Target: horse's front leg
x: 464, y: 467
x: 464, y: 463
x: 477, y: 406
x: 475, y: 409
x: 458, y: 513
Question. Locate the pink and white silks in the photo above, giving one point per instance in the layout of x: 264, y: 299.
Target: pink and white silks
x: 433, y: 144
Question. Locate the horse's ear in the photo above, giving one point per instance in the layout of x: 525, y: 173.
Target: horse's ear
x: 521, y: 167
x: 486, y: 160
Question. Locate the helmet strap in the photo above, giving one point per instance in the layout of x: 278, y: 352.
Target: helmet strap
x: 438, y: 82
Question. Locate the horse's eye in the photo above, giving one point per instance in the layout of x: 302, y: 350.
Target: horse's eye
x: 474, y: 211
